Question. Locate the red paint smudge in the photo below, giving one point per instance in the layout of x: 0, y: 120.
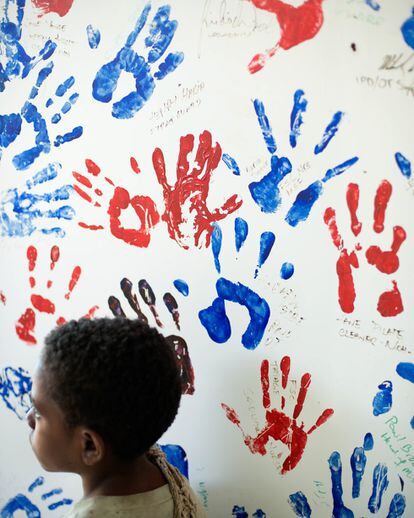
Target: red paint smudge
x: 330, y: 220
x: 285, y: 368
x: 91, y: 312
x: 346, y: 288
x: 32, y: 282
x: 390, y: 302
x: 92, y: 168
x: 144, y: 208
x: 31, y: 256
x: 304, y: 386
x: 282, y: 402
x: 42, y: 304
x: 49, y: 284
x: 382, y: 198
x: 54, y: 256
x: 191, y: 190
x: 231, y: 414
x: 297, y: 24
x: 352, y: 199
x: 73, y: 280
x: 60, y: 321
x: 264, y: 376
x: 25, y: 326
x: 90, y: 227
x: 109, y: 181
x: 326, y: 414
x: 387, y: 261
x: 3, y: 299
x: 98, y: 192
x: 134, y: 165
x: 82, y: 179
x: 82, y: 193
x: 60, y: 7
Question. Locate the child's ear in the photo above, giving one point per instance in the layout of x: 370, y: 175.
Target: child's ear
x: 93, y: 447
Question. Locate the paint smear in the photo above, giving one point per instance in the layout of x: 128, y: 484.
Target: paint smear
x: 94, y: 36
x: 390, y: 302
x: 335, y: 467
x: 115, y: 307
x: 182, y: 287
x: 176, y: 456
x: 407, y: 30
x: 216, y: 322
x: 54, y: 256
x: 387, y: 261
x: 179, y: 347
x: 3, y: 298
x: 329, y: 132
x: 358, y: 463
x: 60, y: 7
x: 134, y: 165
x: 300, y: 505
x: 286, y: 271
x: 126, y: 287
x: 146, y: 211
x: 265, y: 126
x: 267, y: 240
x: 404, y: 165
x: 172, y: 306
x: 397, y: 506
x: 296, y: 120
x: 379, y: 486
x: 382, y: 402
x: 216, y: 240
x: 352, y: 200
x: 241, y: 231
x: 375, y: 6
x: 25, y: 327
x: 382, y: 198
x: 74, y: 278
x: 264, y: 378
x: 231, y: 164
x: 297, y: 24
x: 406, y: 371
x: 148, y: 296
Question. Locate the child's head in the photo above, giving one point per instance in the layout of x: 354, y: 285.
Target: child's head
x: 104, y: 387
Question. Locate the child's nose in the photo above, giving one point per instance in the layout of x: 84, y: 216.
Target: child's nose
x: 30, y: 419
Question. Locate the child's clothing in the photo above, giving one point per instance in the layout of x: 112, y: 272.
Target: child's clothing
x: 174, y: 500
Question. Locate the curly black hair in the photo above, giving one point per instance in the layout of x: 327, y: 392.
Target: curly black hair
x: 117, y: 376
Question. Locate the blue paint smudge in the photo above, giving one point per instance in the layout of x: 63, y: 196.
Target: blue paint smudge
x: 300, y: 505
x: 216, y: 322
x: 358, y: 463
x: 397, y: 506
x: 404, y: 164
x: 306, y: 199
x: 41, y: 77
x: 379, y: 485
x: 329, y: 132
x: 20, y: 503
x: 65, y: 86
x: 407, y: 30
x: 259, y: 514
x: 176, y: 456
x: 286, y: 271
x: 21, y: 212
x: 266, y: 192
x: 241, y: 230
x: 368, y: 442
x: 335, y: 466
x: 39, y: 481
x: 49, y: 494
x: 373, y: 4
x: 267, y: 240
x: 94, y: 36
x: 382, y: 402
x: 162, y: 31
x: 70, y: 135
x: 265, y: 126
x: 412, y: 423
x: 239, y: 512
x: 406, y: 371
x: 17, y: 62
x: 15, y: 387
x: 10, y: 127
x: 231, y: 164
x: 296, y: 120
x: 182, y: 287
x: 216, y: 239
x: 64, y: 501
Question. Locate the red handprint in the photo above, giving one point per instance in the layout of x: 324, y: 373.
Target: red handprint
x: 279, y: 426
x: 25, y: 326
x: 186, y: 212
x: 297, y: 24
x: 386, y: 261
x: 144, y: 207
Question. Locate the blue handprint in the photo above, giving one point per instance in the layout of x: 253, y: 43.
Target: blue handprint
x: 358, y: 460
x: 15, y: 387
x: 266, y: 192
x: 21, y: 502
x: 239, y: 511
x: 24, y: 212
x: 11, y: 125
x: 16, y: 61
x: 161, y: 33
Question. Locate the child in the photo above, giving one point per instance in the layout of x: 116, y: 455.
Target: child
x: 103, y: 394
